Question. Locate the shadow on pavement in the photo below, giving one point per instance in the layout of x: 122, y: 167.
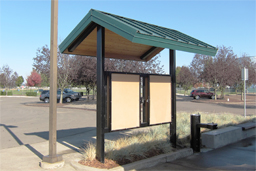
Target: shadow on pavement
x: 77, y: 138
x: 63, y: 136
x: 7, y: 127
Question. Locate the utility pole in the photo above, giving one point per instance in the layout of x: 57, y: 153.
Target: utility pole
x: 244, y: 78
x: 53, y: 160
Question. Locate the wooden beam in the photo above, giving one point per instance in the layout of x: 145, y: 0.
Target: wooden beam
x: 148, y: 53
x: 53, y: 157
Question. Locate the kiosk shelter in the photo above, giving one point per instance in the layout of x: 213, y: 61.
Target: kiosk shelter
x: 130, y: 100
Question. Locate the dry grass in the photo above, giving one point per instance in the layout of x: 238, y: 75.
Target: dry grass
x: 222, y: 119
x: 154, y: 141
x: 139, y: 145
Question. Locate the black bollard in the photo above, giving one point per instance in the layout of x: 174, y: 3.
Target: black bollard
x: 195, y: 136
x: 195, y: 132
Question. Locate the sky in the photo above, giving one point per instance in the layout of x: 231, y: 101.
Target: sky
x: 25, y: 25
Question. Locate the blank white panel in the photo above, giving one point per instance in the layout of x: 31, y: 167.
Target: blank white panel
x: 160, y: 99
x: 125, y: 101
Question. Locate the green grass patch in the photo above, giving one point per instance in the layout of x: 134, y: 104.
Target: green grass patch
x: 155, y: 140
x: 31, y: 93
x: 9, y: 93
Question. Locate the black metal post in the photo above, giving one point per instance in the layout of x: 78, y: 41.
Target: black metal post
x: 172, y: 67
x: 195, y: 132
x: 195, y: 136
x: 100, y: 93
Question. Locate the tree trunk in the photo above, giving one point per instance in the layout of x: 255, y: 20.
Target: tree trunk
x: 215, y: 94
x: 93, y: 93
x: 222, y: 93
x: 61, y: 95
x: 88, y: 93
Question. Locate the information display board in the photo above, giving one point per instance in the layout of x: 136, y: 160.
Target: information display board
x: 160, y: 99
x: 125, y: 101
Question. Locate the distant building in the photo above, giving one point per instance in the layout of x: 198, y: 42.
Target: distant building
x: 253, y: 58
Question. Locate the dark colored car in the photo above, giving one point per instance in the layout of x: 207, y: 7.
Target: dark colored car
x: 74, y: 95
x: 45, y: 96
x: 201, y: 93
x: 40, y: 90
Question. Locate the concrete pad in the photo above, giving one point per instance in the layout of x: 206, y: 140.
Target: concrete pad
x: 51, y: 166
x: 237, y: 156
x: 19, y: 158
x: 221, y: 137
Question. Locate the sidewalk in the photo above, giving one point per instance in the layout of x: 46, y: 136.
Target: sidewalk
x: 27, y: 157
x: 237, y: 156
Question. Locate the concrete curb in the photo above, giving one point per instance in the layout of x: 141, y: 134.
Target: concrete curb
x: 142, y: 164
x: 220, y: 137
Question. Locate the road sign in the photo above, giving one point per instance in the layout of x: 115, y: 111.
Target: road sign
x: 245, y: 74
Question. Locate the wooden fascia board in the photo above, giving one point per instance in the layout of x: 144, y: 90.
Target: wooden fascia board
x: 166, y: 43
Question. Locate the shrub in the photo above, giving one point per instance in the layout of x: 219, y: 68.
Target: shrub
x: 9, y: 93
x: 31, y: 93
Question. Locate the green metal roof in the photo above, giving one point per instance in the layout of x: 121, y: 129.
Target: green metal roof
x: 136, y: 32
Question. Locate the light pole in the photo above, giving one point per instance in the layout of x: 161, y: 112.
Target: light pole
x: 244, y: 78
x: 53, y: 160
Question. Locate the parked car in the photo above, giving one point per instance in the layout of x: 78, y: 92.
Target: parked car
x: 191, y: 93
x: 40, y: 90
x: 45, y: 96
x: 74, y: 95
x: 196, y: 94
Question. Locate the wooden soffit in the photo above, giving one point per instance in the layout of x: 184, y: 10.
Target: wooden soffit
x: 116, y: 46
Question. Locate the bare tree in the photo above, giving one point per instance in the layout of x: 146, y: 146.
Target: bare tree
x: 187, y: 79
x: 219, y: 71
x: 150, y: 67
x: 246, y: 62
x: 66, y: 68
x: 86, y: 74
x: 7, y: 77
x: 42, y: 64
x: 66, y: 72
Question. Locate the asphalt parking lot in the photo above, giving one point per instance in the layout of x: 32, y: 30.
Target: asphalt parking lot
x: 187, y: 104
x: 23, y: 124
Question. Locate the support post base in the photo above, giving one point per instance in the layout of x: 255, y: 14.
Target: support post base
x: 52, y: 162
